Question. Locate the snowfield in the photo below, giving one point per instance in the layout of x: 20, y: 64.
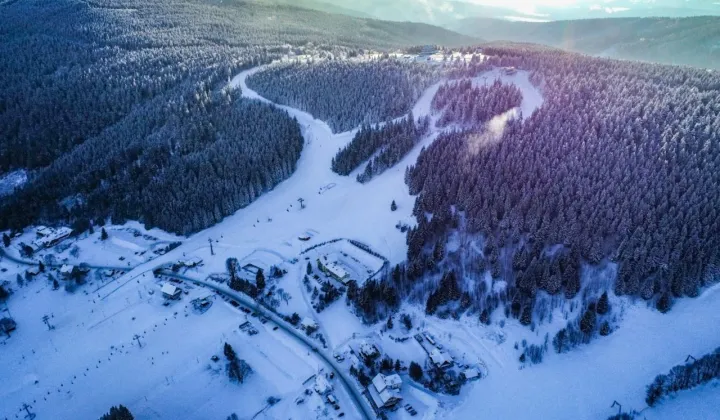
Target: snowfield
x: 12, y: 180
x: 114, y: 342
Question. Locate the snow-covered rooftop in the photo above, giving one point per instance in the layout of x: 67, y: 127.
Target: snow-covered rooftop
x: 471, y: 373
x: 169, y: 289
x: 308, y: 323
x: 368, y: 349
x: 440, y: 358
x: 382, y: 382
x: 322, y: 386
x: 336, y: 269
x: 385, y: 398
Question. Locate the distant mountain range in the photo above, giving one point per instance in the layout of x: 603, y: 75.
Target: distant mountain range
x: 680, y: 38
x: 691, y: 41
x: 443, y: 12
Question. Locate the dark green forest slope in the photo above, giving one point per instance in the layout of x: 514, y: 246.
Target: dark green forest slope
x: 113, y: 104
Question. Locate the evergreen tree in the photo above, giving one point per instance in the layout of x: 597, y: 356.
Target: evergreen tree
x: 389, y: 323
x: 415, y: 371
x: 6, y: 240
x: 603, y: 305
x: 605, y: 329
x: 260, y: 280
x: 3, y: 293
x: 407, y: 321
x: 231, y: 264
x: 118, y: 413
x: 309, y: 268
x: 663, y: 304
x: 103, y: 234
x: 485, y: 317
x: 229, y: 352
x: 41, y: 267
x: 587, y: 322
x: 526, y: 317
x: 393, y: 206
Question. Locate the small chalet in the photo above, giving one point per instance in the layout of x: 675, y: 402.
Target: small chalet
x: 170, y: 291
x: 470, y: 374
x: 67, y: 270
x: 384, y: 390
x: 440, y: 360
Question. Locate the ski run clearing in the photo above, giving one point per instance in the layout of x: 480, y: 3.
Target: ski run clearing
x: 114, y: 341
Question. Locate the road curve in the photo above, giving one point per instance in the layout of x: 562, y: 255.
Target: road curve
x: 360, y: 401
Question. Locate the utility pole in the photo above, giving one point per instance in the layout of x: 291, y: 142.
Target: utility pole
x: 618, y: 405
x: 137, y: 337
x: 211, y: 248
x: 302, y: 203
x: 46, y: 320
x: 27, y: 408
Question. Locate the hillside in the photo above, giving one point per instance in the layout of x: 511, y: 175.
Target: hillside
x: 691, y: 41
x: 115, y: 109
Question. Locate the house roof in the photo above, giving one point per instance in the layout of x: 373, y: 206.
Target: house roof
x: 336, y: 270
x: 439, y: 358
x: 33, y: 270
x: 354, y: 361
x: 379, y: 382
x: 368, y: 349
x: 308, y: 322
x: 43, y: 230
x: 382, y: 382
x: 67, y: 269
x: 471, y: 373
x: 393, y: 380
x: 381, y: 399
x: 321, y: 384
x: 169, y: 289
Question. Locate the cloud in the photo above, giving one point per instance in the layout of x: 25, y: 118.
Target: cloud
x: 494, y: 130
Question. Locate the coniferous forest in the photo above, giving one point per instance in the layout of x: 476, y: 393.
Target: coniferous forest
x: 617, y: 166
x: 388, y: 143
x: 683, y: 377
x: 466, y: 105
x: 117, y: 107
x: 346, y: 94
